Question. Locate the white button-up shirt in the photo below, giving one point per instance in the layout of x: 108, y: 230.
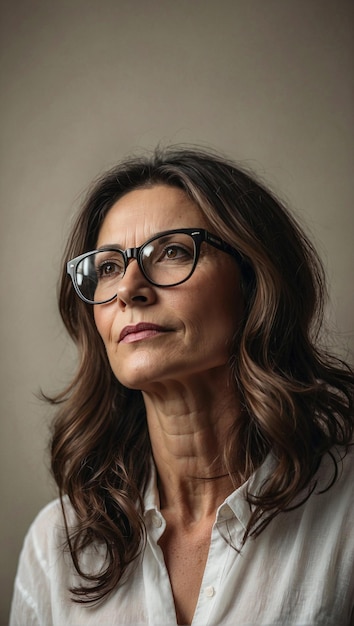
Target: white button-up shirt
x: 299, y: 570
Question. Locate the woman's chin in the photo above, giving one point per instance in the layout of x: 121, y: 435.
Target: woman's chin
x: 140, y: 376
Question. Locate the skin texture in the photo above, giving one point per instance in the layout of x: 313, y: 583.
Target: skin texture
x: 182, y: 371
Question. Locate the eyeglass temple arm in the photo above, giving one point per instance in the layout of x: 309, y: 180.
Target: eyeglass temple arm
x: 218, y: 243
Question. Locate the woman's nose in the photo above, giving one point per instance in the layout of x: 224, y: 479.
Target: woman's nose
x: 134, y: 288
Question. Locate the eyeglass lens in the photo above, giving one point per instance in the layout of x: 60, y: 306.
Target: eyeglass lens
x: 166, y: 261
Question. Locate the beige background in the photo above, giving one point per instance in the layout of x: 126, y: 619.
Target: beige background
x: 85, y: 82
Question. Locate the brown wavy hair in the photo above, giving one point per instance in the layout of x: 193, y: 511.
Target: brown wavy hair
x: 297, y: 398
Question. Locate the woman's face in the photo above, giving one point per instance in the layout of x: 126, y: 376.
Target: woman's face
x: 196, y: 320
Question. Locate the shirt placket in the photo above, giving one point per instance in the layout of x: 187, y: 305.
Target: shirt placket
x: 211, y: 587
x: 158, y: 593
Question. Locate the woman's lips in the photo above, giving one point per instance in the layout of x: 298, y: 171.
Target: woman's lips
x: 144, y: 330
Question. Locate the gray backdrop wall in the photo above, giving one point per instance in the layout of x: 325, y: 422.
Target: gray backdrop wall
x: 85, y: 82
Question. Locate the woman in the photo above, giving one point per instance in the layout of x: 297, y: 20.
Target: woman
x: 203, y: 450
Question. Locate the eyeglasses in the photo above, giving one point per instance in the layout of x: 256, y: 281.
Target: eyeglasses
x: 166, y: 260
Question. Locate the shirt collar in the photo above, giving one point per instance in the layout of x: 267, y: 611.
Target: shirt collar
x: 234, y: 505
x: 152, y: 497
x: 237, y: 501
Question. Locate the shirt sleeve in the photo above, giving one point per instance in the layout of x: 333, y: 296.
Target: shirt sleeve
x: 23, y: 609
x: 31, y: 601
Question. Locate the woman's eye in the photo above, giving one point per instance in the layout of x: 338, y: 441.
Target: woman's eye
x: 109, y: 268
x: 176, y: 252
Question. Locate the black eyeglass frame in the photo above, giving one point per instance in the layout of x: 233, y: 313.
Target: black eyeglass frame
x: 198, y: 235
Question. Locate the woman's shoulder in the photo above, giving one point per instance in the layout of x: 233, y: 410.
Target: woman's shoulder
x: 332, y: 493
x: 337, y: 469
x: 332, y: 485
x: 47, y: 531
x: 53, y: 513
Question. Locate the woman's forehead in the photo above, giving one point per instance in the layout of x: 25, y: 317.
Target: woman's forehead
x: 142, y: 213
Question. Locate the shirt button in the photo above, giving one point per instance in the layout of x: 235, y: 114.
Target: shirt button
x: 209, y: 591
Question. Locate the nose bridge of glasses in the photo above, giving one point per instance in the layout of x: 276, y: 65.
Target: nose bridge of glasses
x: 132, y: 253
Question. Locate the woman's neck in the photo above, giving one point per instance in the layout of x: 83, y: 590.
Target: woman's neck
x: 189, y: 425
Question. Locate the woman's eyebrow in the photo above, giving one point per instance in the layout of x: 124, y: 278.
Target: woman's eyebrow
x: 109, y: 246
